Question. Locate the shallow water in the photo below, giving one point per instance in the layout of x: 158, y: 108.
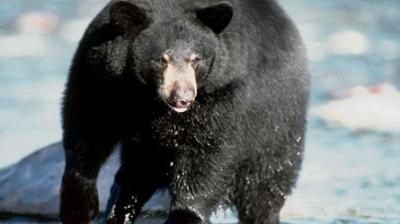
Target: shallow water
x: 347, y: 177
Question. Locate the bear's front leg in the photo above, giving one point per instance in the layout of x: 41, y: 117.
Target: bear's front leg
x: 200, y: 182
x: 79, y: 199
x: 142, y: 172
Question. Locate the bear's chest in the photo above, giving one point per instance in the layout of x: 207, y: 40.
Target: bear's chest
x: 176, y: 131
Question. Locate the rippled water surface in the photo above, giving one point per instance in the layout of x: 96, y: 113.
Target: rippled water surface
x: 348, y: 177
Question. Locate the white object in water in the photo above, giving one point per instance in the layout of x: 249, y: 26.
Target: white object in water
x: 348, y: 42
x: 374, y: 108
x: 37, y: 22
x: 22, y: 45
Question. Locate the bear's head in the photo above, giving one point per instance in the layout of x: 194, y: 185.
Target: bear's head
x: 173, y: 53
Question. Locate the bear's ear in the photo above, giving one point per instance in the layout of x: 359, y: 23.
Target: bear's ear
x: 216, y: 16
x: 128, y: 15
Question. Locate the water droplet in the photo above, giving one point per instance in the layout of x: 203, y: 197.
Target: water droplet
x: 127, y: 218
x: 112, y: 213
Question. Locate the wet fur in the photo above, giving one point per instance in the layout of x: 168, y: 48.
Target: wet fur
x: 242, y: 140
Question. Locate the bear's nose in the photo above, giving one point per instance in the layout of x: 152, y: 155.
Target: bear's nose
x: 184, y: 103
x: 182, y: 97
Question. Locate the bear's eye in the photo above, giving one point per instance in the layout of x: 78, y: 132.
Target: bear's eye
x: 194, y: 61
x: 159, y: 62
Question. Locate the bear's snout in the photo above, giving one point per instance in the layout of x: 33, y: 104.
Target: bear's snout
x: 179, y: 87
x: 182, y: 95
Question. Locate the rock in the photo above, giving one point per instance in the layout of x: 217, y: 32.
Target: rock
x: 31, y: 187
x: 375, y: 108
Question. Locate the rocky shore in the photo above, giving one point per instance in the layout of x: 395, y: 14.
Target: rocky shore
x: 29, y: 189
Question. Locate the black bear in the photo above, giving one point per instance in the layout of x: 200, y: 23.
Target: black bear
x: 207, y: 98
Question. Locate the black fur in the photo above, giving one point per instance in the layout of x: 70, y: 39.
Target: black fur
x: 242, y: 140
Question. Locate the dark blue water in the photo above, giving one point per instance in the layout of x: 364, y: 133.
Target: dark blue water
x: 348, y: 177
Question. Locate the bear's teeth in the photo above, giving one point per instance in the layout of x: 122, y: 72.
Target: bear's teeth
x: 179, y: 110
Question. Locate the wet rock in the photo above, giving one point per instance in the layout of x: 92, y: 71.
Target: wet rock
x: 31, y: 187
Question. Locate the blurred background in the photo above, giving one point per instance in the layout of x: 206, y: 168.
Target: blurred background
x: 351, y: 171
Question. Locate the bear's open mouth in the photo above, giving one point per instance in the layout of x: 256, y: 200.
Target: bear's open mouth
x: 174, y: 108
x: 179, y: 110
